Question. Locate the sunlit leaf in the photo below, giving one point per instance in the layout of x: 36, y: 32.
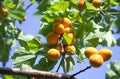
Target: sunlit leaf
x: 67, y: 38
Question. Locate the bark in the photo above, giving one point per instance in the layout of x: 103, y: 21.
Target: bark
x: 34, y: 73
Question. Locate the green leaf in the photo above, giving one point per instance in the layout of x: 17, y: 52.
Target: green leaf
x: 67, y: 38
x: 114, y: 70
x: 45, y: 28
x: 25, y: 58
x: 22, y: 56
x: 44, y: 4
x: 90, y: 6
x: 60, y: 6
x: 45, y: 64
x: 17, y: 14
x: 108, y: 39
x: 11, y: 5
x: 32, y: 1
x: 80, y: 54
x: 70, y: 65
x: 8, y: 77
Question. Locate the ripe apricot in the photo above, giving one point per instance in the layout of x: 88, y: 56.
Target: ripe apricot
x: 3, y: 11
x: 53, y: 54
x: 68, y: 30
x: 96, y: 60
x: 70, y: 49
x: 52, y: 38
x: 90, y: 51
x: 97, y: 3
x: 105, y: 53
x: 66, y: 22
x: 81, y: 4
x: 58, y: 28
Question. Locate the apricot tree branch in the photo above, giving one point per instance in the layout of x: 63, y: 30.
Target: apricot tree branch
x: 33, y: 73
x: 81, y: 71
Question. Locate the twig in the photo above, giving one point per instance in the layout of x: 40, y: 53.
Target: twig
x: 59, y: 64
x: 33, y: 73
x: 28, y: 6
x: 81, y: 71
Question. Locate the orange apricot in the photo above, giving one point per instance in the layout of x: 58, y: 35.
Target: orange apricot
x: 97, y: 3
x: 52, y: 38
x: 96, y: 60
x: 66, y: 22
x: 53, y: 54
x: 58, y: 28
x: 70, y: 49
x: 81, y: 4
x: 90, y: 51
x: 68, y: 30
x: 105, y: 53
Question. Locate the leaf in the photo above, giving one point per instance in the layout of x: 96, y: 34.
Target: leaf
x: 108, y: 39
x: 22, y: 56
x: 25, y: 58
x: 45, y: 64
x: 44, y: 4
x: 80, y: 54
x: 90, y: 6
x: 60, y: 6
x: 30, y: 42
x: 8, y: 77
x: 67, y: 38
x: 114, y: 70
x: 17, y: 14
x: 32, y: 1
x: 20, y: 51
x: 69, y: 64
x: 45, y: 28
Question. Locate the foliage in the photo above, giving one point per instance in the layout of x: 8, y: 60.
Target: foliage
x: 91, y: 27
x: 114, y: 70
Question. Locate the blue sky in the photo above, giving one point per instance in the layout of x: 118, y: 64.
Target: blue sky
x: 32, y: 26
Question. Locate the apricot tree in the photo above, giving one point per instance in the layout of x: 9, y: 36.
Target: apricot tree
x: 76, y: 26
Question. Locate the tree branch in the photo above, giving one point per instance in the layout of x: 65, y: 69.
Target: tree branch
x: 81, y: 71
x: 33, y: 73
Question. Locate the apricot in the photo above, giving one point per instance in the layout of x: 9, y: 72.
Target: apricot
x: 70, y: 49
x: 81, y: 4
x: 96, y: 60
x: 105, y: 53
x: 58, y: 28
x: 53, y: 54
x: 52, y: 38
x: 90, y: 51
x: 68, y: 30
x: 66, y: 22
x: 3, y: 11
x: 97, y: 3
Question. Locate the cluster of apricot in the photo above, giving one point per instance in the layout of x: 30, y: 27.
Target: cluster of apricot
x: 82, y: 4
x: 60, y: 26
x: 96, y: 58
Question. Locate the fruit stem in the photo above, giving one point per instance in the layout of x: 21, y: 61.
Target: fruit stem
x: 88, y: 67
